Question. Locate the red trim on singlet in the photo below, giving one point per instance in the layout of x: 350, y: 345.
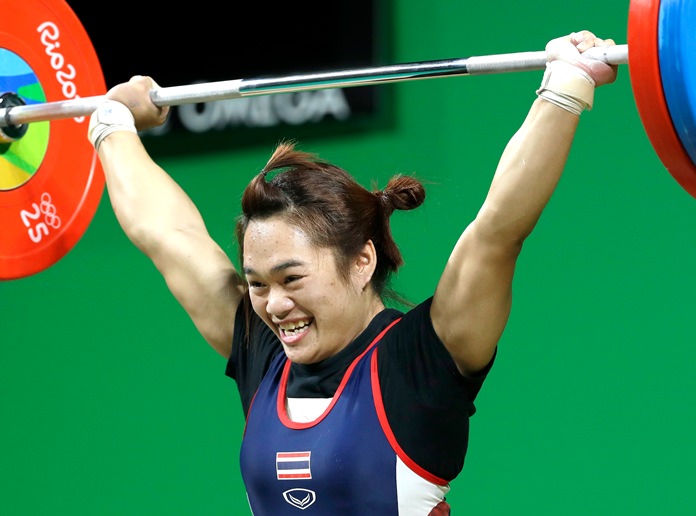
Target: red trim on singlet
x: 282, y: 389
x: 382, y: 415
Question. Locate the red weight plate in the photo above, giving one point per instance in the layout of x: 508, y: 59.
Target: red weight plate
x: 644, y: 65
x: 51, y: 181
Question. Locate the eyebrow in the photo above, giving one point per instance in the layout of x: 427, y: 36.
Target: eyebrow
x: 276, y: 268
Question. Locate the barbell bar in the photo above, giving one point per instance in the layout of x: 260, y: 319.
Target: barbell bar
x: 50, y: 178
x: 238, y: 88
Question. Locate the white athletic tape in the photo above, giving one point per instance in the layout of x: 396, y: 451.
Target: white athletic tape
x: 567, y: 86
x: 109, y: 117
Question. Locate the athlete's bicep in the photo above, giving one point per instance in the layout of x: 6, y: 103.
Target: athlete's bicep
x: 204, y: 281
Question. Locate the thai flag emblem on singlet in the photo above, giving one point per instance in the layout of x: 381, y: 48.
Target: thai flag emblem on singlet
x: 293, y: 465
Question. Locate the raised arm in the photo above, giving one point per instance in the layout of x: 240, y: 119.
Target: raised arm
x: 473, y: 298
x: 160, y: 218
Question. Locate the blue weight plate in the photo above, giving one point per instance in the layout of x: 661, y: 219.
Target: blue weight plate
x: 644, y: 66
x: 677, y: 53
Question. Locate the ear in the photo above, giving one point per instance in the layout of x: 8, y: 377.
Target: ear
x: 364, y: 265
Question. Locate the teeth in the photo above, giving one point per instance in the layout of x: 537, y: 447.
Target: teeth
x: 293, y: 326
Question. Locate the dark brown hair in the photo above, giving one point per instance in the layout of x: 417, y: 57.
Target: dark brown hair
x: 331, y: 207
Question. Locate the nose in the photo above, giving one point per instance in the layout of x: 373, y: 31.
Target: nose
x: 279, y: 304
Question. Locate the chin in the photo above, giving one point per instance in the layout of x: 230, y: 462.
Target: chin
x: 297, y: 356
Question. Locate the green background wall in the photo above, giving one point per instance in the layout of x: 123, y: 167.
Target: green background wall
x: 112, y: 404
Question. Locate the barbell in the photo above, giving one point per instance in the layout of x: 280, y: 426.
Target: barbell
x: 50, y: 81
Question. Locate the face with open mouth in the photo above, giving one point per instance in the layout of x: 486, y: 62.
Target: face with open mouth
x: 297, y: 290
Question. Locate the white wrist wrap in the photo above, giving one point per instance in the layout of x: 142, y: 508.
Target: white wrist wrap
x: 109, y: 117
x: 567, y: 86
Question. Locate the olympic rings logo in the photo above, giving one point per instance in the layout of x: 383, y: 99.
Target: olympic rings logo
x: 49, y: 210
x: 40, y: 218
